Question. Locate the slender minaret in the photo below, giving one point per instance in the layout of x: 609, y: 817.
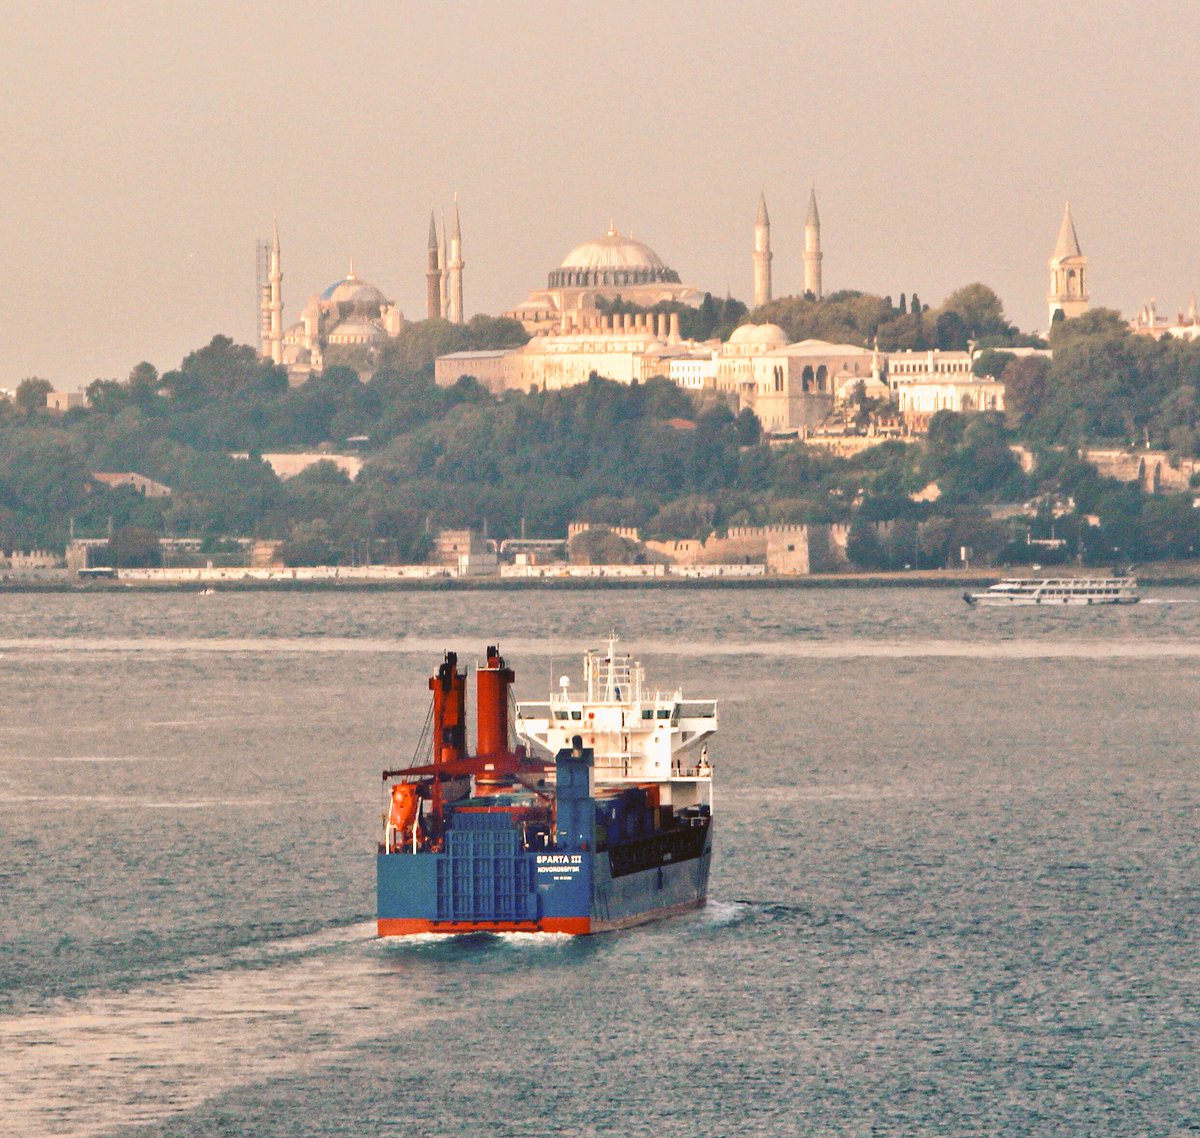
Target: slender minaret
x: 762, y: 254
x: 454, y: 267
x: 433, y: 273
x: 812, y: 247
x: 262, y: 273
x: 445, y: 281
x: 275, y: 280
x: 1068, y: 267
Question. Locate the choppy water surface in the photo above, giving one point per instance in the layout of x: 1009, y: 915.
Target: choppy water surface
x: 955, y: 889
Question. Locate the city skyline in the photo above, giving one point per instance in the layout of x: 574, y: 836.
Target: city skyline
x: 147, y: 153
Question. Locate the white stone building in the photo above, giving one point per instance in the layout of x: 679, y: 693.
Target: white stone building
x: 788, y: 385
x: 923, y: 383
x: 626, y: 348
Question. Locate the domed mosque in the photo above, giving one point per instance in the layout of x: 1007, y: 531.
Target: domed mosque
x: 351, y: 312
x: 606, y: 268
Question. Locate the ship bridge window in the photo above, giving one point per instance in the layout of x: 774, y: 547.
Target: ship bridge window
x: 576, y: 714
x: 647, y: 713
x: 560, y: 715
x: 664, y: 713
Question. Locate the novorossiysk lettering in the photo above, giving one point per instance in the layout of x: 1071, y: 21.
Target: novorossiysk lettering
x: 563, y: 866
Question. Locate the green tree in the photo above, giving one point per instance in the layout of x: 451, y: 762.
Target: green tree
x: 1026, y: 387
x: 31, y: 394
x: 991, y: 363
x: 107, y: 396
x: 951, y: 332
x: 863, y: 547
x: 749, y: 429
x: 143, y: 384
x: 979, y: 309
x: 133, y: 547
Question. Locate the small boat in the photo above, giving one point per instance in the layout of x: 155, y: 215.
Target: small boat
x: 1121, y: 590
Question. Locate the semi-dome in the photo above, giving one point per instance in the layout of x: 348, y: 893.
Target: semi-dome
x: 612, y: 260
x: 356, y: 332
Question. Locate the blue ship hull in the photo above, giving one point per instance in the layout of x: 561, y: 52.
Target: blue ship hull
x: 484, y: 882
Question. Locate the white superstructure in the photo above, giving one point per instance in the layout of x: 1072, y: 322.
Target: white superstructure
x: 638, y: 735
x: 1058, y: 591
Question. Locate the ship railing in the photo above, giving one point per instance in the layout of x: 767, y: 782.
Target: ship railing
x: 635, y: 769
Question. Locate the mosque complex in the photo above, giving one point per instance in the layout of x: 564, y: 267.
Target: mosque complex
x: 574, y: 335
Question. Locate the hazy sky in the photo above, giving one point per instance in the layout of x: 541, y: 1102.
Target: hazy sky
x: 145, y: 146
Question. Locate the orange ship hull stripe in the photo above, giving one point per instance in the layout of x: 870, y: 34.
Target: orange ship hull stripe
x: 411, y: 926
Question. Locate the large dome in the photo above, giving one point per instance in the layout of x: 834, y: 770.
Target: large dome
x: 355, y: 295
x: 612, y: 251
x: 613, y: 261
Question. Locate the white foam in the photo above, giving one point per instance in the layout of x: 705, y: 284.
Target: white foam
x: 80, y: 1068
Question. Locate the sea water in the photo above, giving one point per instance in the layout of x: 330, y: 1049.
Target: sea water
x: 954, y: 889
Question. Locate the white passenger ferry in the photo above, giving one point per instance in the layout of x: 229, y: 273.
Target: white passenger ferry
x: 1058, y: 591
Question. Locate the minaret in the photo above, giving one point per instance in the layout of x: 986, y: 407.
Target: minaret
x: 812, y: 247
x: 262, y: 252
x: 454, y: 267
x: 275, y: 280
x: 1068, y: 268
x: 433, y: 273
x: 445, y: 291
x: 762, y: 254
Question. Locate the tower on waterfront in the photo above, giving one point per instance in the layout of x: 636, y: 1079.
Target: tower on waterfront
x: 433, y: 273
x: 454, y: 269
x: 812, y: 248
x: 762, y: 254
x: 1068, y: 268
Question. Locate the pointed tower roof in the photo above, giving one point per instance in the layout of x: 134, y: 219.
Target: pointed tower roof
x: 455, y: 232
x: 1067, y: 244
x: 762, y: 218
x: 433, y: 241
x: 813, y: 218
x: 275, y: 232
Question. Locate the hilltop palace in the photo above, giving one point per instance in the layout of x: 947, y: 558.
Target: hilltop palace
x: 790, y: 386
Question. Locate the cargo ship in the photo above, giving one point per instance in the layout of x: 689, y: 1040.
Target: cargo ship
x: 584, y: 813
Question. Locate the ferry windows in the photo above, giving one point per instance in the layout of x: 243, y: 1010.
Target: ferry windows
x: 576, y: 714
x: 560, y: 715
x: 647, y: 713
x: 664, y: 713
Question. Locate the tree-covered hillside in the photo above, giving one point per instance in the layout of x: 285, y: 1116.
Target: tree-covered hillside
x: 647, y: 455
